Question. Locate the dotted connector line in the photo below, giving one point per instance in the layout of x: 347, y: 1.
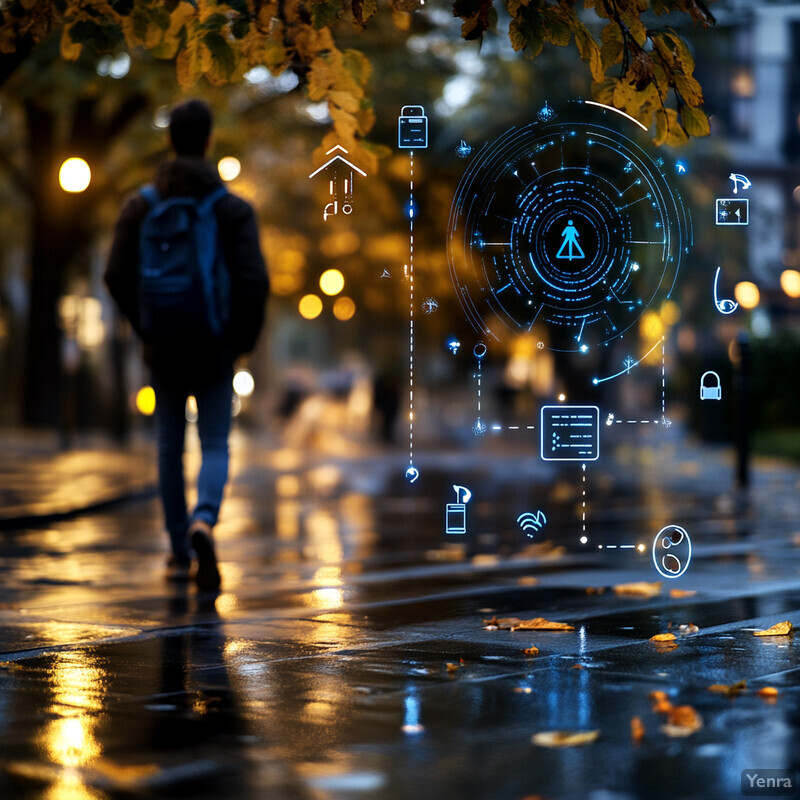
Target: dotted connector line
x: 411, y: 311
x: 583, y: 500
x: 663, y: 377
x: 479, y: 388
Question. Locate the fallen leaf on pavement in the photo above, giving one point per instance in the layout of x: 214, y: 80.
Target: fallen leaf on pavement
x: 564, y: 738
x: 531, y: 651
x: 637, y: 730
x: 541, y: 624
x: 453, y: 668
x: 595, y: 589
x: 485, y: 560
x: 638, y: 589
x: 768, y: 693
x: 688, y: 628
x: 523, y: 689
x: 527, y: 580
x: 779, y: 629
x: 663, y: 637
x: 577, y: 666
x: 682, y: 721
x: 682, y: 592
x: 729, y: 691
x: 125, y: 774
x: 661, y: 702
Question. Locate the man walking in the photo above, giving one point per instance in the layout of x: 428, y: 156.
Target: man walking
x: 186, y: 270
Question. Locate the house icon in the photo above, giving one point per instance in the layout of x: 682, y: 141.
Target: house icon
x: 340, y: 173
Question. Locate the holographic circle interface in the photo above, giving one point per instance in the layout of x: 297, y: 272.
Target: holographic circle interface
x: 569, y: 230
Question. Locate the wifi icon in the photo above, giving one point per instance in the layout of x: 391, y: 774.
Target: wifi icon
x: 532, y: 522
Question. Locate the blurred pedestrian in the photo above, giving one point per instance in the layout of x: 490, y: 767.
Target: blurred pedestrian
x: 186, y: 270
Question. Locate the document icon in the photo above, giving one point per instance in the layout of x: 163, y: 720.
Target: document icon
x: 570, y: 433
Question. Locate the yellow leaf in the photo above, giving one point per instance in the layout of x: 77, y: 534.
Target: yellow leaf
x: 695, y: 121
x: 637, y: 730
x: 682, y: 721
x: 682, y: 592
x: 779, y: 629
x: 564, y: 738
x: 729, y: 691
x: 663, y: 637
x: 531, y: 651
x: 689, y: 88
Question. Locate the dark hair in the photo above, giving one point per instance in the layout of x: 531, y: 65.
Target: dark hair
x: 190, y: 128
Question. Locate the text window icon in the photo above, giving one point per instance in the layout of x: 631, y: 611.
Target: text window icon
x: 570, y: 433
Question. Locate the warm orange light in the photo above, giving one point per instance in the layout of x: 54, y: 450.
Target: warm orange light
x: 74, y: 175
x: 344, y: 308
x: 310, y: 306
x: 331, y: 282
x: 790, y: 282
x: 229, y: 168
x: 747, y: 294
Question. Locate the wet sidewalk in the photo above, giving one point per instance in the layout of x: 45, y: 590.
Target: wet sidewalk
x: 352, y: 653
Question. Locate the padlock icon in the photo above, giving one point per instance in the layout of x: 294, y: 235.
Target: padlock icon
x: 412, y: 128
x: 711, y: 390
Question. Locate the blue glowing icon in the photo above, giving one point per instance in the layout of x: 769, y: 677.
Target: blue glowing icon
x: 453, y: 346
x: 429, y: 305
x: 532, y: 522
x: 570, y: 244
x: 681, y: 168
x: 733, y: 211
x: 412, y: 474
x: 710, y: 386
x: 739, y: 180
x: 479, y: 427
x: 456, y: 513
x: 610, y: 420
x: 724, y: 305
x: 570, y: 433
x: 629, y: 363
x: 546, y: 113
x: 463, y: 149
x: 672, y: 551
x: 412, y: 128
x: 386, y: 274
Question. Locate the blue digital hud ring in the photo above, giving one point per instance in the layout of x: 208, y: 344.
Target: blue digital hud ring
x: 569, y: 230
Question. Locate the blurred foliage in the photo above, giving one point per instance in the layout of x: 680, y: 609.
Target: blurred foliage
x: 634, y: 67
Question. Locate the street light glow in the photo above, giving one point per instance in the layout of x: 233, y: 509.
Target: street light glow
x: 310, y: 306
x: 790, y: 282
x: 747, y: 294
x: 74, y: 175
x: 344, y: 308
x: 146, y: 401
x: 331, y: 282
x: 229, y: 168
x: 243, y: 383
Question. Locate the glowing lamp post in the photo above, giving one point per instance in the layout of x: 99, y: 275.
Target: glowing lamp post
x: 74, y: 175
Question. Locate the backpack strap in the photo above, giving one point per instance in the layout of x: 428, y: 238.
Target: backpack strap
x: 208, y: 201
x: 150, y: 193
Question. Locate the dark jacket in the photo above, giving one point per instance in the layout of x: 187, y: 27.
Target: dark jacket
x: 238, y: 236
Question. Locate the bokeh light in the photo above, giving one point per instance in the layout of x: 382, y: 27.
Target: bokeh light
x: 229, y: 168
x: 310, y: 306
x: 747, y: 294
x: 344, y: 309
x: 331, y: 282
x: 790, y: 282
x: 243, y: 383
x: 146, y: 401
x: 74, y: 175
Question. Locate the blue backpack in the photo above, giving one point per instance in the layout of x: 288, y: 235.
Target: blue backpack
x: 184, y: 284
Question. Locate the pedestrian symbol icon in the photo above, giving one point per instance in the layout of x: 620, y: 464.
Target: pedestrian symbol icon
x: 570, y: 243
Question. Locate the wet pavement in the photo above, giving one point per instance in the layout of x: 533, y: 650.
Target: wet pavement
x: 321, y: 670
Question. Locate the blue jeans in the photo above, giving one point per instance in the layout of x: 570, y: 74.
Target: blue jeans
x: 214, y: 393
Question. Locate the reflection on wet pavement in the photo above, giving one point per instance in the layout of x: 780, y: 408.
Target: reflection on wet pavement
x: 347, y: 656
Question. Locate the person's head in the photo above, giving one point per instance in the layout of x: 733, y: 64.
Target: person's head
x: 190, y: 128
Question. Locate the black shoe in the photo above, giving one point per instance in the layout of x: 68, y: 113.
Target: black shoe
x: 207, y: 575
x: 178, y: 570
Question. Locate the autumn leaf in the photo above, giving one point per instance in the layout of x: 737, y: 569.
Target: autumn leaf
x: 564, y: 738
x: 638, y: 589
x: 637, y: 730
x: 768, y: 693
x: 663, y: 637
x: 452, y: 668
x: 682, y: 721
x: 678, y: 593
x: 541, y: 624
x: 729, y: 691
x: 779, y: 629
